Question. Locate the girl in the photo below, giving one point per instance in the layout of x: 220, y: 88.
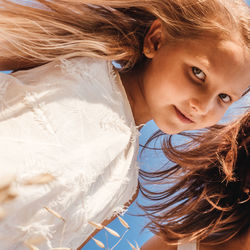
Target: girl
x: 210, y: 200
x: 69, y: 124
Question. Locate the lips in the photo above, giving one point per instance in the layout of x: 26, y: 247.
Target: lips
x: 182, y: 117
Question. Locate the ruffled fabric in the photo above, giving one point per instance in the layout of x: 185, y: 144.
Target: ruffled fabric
x: 69, y: 141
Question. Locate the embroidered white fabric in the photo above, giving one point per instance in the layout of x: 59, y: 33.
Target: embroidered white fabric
x: 68, y: 136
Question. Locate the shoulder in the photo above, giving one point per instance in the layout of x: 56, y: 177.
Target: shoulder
x: 81, y: 77
x: 72, y: 67
x: 83, y: 65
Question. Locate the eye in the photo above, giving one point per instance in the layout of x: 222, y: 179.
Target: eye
x: 225, y: 98
x: 199, y: 73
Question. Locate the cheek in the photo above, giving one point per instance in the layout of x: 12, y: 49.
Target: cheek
x: 214, y: 117
x: 170, y: 86
x: 165, y: 73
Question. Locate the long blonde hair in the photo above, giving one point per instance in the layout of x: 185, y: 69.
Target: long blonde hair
x: 111, y: 29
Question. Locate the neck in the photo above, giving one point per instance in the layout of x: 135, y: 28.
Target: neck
x: 132, y: 82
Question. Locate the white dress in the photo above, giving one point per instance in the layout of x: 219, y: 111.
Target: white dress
x: 68, y: 136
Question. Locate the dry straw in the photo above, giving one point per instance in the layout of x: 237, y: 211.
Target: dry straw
x: 30, y: 246
x: 55, y: 213
x: 40, y: 179
x: 96, y: 225
x: 6, y: 181
x: 6, y: 191
x: 98, y: 243
x: 134, y: 247
x: 112, y: 232
x: 123, y: 222
x: 2, y: 213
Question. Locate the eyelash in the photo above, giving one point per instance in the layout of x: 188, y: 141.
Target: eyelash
x: 225, y: 95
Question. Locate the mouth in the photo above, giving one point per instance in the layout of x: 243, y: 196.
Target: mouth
x: 182, y: 117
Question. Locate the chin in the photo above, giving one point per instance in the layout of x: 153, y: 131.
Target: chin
x: 170, y: 130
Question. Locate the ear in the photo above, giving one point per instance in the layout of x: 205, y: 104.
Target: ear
x: 153, y: 39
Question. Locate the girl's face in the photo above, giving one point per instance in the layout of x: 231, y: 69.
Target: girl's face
x: 191, y: 84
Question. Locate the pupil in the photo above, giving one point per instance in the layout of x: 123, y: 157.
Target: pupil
x: 197, y: 71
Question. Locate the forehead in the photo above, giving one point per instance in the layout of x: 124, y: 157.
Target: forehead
x: 213, y: 53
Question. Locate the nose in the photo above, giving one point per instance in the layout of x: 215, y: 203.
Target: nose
x: 202, y: 105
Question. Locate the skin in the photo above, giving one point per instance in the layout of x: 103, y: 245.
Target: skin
x: 187, y: 85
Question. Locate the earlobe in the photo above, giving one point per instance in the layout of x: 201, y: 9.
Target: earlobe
x: 153, y: 39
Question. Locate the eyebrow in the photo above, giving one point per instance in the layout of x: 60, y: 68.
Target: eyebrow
x: 204, y: 62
